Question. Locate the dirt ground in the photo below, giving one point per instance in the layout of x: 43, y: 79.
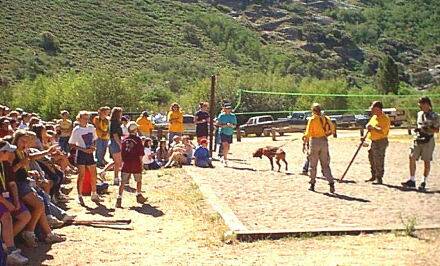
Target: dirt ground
x: 263, y: 199
x: 178, y: 227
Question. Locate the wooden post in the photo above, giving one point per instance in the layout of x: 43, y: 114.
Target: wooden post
x: 237, y: 129
x: 362, y: 131
x: 409, y: 130
x: 159, y: 134
x: 211, y: 115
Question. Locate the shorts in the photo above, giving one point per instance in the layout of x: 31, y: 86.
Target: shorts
x: 114, y: 147
x: 152, y: 166
x: 23, y: 188
x: 4, y: 210
x: 125, y: 177
x: 226, y: 138
x: 422, y: 151
x: 83, y: 158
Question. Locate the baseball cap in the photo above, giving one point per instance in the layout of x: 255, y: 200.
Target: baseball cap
x: 132, y: 126
x: 5, y: 146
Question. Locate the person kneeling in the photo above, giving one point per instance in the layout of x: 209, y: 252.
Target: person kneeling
x: 201, y: 155
x: 132, y: 153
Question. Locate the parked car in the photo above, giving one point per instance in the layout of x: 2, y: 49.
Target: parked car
x: 188, y: 125
x: 257, y: 124
x: 344, y: 121
x: 361, y: 120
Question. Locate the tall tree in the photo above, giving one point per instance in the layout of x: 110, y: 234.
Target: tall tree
x: 387, y: 77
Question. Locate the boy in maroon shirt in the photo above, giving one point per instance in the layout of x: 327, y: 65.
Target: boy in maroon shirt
x: 132, y: 153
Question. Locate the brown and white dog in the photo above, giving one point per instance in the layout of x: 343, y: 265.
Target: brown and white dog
x: 272, y: 152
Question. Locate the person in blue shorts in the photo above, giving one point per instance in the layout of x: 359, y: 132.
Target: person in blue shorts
x: 226, y: 122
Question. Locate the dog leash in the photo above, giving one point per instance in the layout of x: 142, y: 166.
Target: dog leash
x: 288, y: 142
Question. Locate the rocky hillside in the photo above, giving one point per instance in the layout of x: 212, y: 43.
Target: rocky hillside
x: 319, y: 38
x: 313, y: 31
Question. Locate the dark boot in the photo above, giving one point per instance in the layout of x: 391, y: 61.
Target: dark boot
x: 312, y: 187
x: 332, y: 187
x: 378, y: 181
x: 371, y: 179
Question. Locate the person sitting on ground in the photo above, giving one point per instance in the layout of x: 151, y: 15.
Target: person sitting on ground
x: 10, y: 206
x: 189, y: 148
x: 149, y: 157
x: 201, y: 155
x: 176, y: 140
x: 132, y: 152
x: 20, y: 167
x: 177, y: 157
x: 5, y: 127
x: 162, y: 154
x: 66, y: 127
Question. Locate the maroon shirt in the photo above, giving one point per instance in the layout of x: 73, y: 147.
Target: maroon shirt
x: 132, y: 151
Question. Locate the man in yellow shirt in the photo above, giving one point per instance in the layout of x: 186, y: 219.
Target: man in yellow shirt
x: 378, y: 128
x: 319, y: 127
x: 145, y: 126
x: 175, y: 122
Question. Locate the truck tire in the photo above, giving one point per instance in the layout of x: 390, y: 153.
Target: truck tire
x: 281, y: 133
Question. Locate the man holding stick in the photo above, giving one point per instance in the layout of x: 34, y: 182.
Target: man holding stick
x: 319, y: 127
x: 424, y: 143
x: 378, y: 128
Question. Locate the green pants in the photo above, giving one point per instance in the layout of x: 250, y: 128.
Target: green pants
x: 376, y: 156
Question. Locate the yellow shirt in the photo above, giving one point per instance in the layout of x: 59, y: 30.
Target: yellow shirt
x: 102, y: 128
x: 144, y: 125
x: 65, y: 127
x: 175, y: 121
x: 317, y: 124
x: 382, y: 121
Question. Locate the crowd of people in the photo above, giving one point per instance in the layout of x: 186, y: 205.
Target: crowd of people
x: 37, y: 157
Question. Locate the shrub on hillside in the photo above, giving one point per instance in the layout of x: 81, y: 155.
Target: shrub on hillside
x: 49, y: 42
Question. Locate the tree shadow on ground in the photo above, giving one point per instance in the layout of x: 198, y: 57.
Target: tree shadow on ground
x: 344, y: 197
x: 147, y: 209
x: 100, y: 210
x: 406, y: 189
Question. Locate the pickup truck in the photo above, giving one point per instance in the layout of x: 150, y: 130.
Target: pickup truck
x: 258, y: 125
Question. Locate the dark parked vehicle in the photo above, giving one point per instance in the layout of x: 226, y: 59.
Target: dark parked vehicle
x: 257, y: 124
x: 361, y: 120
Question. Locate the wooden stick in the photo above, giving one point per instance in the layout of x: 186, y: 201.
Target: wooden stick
x: 90, y: 222
x: 355, y: 154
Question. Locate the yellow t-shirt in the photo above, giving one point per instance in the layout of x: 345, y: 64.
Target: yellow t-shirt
x: 175, y: 121
x: 102, y: 128
x: 382, y: 121
x: 65, y: 127
x: 144, y: 125
x: 317, y: 124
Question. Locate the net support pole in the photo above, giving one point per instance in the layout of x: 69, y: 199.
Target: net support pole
x: 212, y: 114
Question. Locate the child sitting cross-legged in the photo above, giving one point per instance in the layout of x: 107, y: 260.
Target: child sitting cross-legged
x: 201, y: 155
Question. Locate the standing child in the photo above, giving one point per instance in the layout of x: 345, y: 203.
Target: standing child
x: 83, y: 140
x: 226, y: 121
x: 132, y: 153
x: 201, y: 119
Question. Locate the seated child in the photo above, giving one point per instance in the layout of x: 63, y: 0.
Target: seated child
x: 201, y: 155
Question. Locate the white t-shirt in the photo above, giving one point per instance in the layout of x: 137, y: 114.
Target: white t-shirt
x: 124, y: 131
x: 83, y: 136
x: 147, y: 153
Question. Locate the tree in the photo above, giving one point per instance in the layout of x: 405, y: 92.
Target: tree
x: 387, y: 77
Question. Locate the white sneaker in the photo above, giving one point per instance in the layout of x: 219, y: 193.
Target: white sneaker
x: 68, y: 218
x: 95, y: 198
x: 225, y: 163
x: 29, y: 238
x: 15, y: 258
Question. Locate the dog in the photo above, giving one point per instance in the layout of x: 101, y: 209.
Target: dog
x: 272, y: 152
